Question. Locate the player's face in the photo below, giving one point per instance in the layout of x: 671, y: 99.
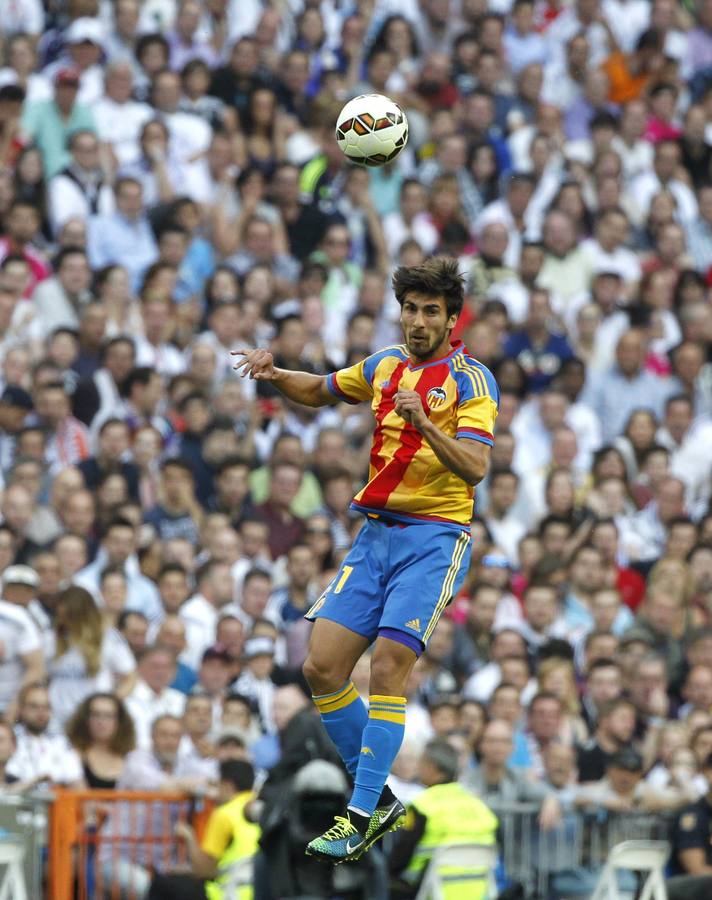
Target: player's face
x: 426, y: 326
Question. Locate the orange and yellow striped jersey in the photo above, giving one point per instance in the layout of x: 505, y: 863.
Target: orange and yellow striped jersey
x: 406, y: 480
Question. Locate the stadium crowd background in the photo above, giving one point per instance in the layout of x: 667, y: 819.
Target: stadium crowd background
x: 171, y: 190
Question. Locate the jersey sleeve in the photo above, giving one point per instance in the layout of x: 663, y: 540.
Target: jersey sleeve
x: 355, y: 384
x: 478, y: 405
x: 218, y: 834
x: 351, y: 385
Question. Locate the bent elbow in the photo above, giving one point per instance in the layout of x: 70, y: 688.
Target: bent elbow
x: 477, y: 473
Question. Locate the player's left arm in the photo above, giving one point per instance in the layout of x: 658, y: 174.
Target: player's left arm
x: 468, y: 459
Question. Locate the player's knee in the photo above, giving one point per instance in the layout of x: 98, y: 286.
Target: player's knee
x: 320, y: 675
x: 389, y: 673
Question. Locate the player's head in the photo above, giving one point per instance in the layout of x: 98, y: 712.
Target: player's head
x: 431, y: 298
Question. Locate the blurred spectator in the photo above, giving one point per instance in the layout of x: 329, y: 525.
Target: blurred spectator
x: 41, y: 755
x: 152, y: 696
x: 102, y: 733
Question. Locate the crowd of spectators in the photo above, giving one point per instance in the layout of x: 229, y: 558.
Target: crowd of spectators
x: 171, y: 190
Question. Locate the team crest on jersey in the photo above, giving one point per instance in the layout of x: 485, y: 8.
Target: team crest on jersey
x: 436, y: 396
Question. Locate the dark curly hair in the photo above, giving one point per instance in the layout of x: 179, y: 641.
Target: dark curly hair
x: 438, y: 277
x: 124, y: 739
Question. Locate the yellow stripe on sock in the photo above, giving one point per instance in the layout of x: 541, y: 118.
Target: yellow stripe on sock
x: 331, y: 703
x: 381, y: 698
x: 382, y: 715
x: 325, y: 698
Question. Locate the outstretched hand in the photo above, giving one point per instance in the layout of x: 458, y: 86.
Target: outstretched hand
x: 258, y: 364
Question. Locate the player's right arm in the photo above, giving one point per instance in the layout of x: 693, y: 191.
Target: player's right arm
x: 301, y: 387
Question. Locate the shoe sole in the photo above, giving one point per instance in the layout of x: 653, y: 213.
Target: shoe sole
x: 324, y: 857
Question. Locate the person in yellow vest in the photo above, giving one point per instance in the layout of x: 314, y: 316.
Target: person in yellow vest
x: 228, y: 839
x: 445, y: 813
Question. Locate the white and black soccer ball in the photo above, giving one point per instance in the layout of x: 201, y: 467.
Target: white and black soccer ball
x: 371, y: 130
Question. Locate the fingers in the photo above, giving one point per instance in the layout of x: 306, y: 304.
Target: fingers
x: 253, y: 361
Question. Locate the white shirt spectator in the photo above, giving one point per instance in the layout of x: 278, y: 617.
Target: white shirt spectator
x: 483, y: 683
x: 190, y: 757
x: 559, y: 87
x: 46, y: 755
x: 18, y: 636
x: 621, y: 260
x: 37, y: 88
x: 507, y: 533
x: 567, y: 25
x: 628, y: 19
x: 145, y: 707
x: 637, y: 157
x: 189, y: 133
x: 261, y: 690
x: 643, y: 188
x: 164, y: 358
x: 70, y: 683
x: 91, y: 82
x: 23, y: 16
x: 690, y: 461
x: 421, y: 229
x: 120, y: 124
x: 201, y: 619
x: 66, y: 200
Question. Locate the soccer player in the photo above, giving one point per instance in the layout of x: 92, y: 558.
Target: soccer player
x: 435, y: 408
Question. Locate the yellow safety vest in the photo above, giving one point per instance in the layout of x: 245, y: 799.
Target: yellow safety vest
x: 453, y: 816
x: 245, y: 836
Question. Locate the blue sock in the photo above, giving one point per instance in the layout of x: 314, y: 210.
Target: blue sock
x: 344, y: 716
x: 382, y: 738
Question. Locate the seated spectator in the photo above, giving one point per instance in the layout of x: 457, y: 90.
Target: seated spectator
x: 87, y: 656
x: 214, y: 677
x: 197, y: 730
x: 102, y: 733
x: 494, y: 781
x: 200, y: 613
x: 152, y: 696
x: 113, y: 446
x: 614, y: 732
x: 123, y: 237
x: 156, y: 768
x: 557, y: 676
x: 41, y: 755
x: 623, y: 789
x: 179, y: 514
x: 118, y: 548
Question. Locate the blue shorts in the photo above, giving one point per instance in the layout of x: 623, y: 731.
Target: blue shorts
x: 396, y: 577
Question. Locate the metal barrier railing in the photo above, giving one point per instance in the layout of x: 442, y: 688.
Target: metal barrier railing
x: 105, y: 845
x: 25, y: 817
x: 565, y: 861
x: 98, y: 841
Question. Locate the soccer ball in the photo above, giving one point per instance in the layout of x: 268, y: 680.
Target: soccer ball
x: 371, y: 130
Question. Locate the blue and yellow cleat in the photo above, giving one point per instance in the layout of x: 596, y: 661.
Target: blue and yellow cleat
x: 342, y: 842
x: 384, y: 819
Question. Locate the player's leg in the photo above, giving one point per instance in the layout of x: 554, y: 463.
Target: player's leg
x: 333, y: 652
x: 346, y: 620
x: 391, y: 665
x: 428, y: 565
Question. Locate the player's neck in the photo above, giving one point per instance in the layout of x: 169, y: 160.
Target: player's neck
x: 439, y: 352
